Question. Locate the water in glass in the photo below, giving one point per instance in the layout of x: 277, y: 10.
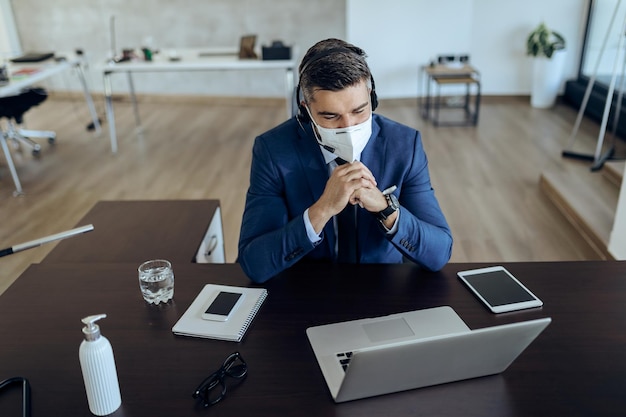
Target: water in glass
x: 156, y: 280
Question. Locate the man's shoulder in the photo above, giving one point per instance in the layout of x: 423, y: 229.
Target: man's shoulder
x: 285, y: 140
x: 395, y: 132
x: 285, y: 129
x: 386, y: 124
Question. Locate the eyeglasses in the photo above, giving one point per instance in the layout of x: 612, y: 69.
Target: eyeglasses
x: 234, y: 366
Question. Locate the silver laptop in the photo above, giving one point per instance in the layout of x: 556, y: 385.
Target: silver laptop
x: 374, y: 356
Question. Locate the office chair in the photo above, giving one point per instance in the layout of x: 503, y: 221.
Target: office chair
x: 12, y: 109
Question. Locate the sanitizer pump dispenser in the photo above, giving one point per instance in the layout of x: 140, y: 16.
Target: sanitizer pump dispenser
x: 99, y: 372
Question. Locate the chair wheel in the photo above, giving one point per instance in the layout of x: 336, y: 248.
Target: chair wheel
x: 51, y: 140
x: 36, y: 152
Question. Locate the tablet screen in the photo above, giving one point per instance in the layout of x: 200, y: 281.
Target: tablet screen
x: 497, y: 288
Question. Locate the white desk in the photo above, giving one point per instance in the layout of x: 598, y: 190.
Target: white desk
x: 19, y: 82
x: 45, y: 69
x: 214, y: 59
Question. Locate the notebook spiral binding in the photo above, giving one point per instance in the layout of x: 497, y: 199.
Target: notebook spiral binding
x: 252, y: 315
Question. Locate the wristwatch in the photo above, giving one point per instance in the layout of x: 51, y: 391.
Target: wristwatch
x: 392, y: 206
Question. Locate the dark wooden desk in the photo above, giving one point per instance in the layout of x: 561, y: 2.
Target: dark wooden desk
x: 135, y: 231
x: 577, y: 367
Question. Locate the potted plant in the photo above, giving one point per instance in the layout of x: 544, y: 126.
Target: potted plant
x: 547, y: 47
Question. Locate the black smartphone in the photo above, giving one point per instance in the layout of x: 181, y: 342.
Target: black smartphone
x: 222, y: 306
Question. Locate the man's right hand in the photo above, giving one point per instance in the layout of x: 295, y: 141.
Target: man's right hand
x: 341, y: 185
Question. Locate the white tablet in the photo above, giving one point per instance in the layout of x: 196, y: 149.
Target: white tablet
x: 498, y: 289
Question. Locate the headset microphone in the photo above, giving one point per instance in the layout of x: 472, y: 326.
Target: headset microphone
x: 328, y: 148
x: 317, y: 137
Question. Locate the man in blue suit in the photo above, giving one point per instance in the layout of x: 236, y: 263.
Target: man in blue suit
x: 336, y: 159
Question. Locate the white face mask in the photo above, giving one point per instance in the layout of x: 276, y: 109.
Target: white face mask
x: 347, y: 142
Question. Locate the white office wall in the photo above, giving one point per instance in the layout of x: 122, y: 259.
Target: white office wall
x: 401, y: 35
x: 9, y: 42
x: 64, y: 25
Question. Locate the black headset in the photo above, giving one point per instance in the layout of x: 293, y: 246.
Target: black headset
x: 303, y: 114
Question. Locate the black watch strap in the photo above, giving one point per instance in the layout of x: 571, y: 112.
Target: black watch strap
x: 392, y: 206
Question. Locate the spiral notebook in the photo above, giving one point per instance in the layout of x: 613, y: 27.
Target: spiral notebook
x: 192, y: 324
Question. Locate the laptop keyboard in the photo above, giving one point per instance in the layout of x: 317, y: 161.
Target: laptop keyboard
x: 344, y: 359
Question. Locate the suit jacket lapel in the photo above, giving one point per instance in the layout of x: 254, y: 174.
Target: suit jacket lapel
x: 312, y: 162
x: 316, y: 172
x: 373, y: 157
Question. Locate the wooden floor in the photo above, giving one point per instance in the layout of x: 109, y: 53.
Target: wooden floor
x: 486, y: 177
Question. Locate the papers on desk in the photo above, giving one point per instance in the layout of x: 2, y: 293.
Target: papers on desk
x: 192, y: 324
x: 24, y: 72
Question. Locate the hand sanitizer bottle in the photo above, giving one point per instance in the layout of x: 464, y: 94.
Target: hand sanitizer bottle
x: 99, y: 372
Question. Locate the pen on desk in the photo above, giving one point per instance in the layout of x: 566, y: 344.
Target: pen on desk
x: 38, y: 242
x: 389, y: 190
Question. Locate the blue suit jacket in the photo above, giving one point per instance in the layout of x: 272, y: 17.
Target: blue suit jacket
x: 289, y: 174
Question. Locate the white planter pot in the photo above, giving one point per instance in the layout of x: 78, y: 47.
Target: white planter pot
x: 547, y: 76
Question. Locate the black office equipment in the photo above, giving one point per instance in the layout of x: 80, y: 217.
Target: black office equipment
x: 276, y: 51
x: 33, y: 57
x: 13, y: 108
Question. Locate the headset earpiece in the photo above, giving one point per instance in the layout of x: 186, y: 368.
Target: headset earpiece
x: 373, y: 96
x: 303, y: 115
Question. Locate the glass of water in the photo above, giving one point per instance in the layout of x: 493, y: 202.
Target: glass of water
x: 156, y: 280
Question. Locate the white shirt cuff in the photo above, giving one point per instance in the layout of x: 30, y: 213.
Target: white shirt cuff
x: 313, y: 237
x: 394, y: 228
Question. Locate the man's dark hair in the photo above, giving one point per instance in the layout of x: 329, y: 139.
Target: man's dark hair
x: 332, y: 64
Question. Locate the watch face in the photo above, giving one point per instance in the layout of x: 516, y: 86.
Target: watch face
x: 393, y: 202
